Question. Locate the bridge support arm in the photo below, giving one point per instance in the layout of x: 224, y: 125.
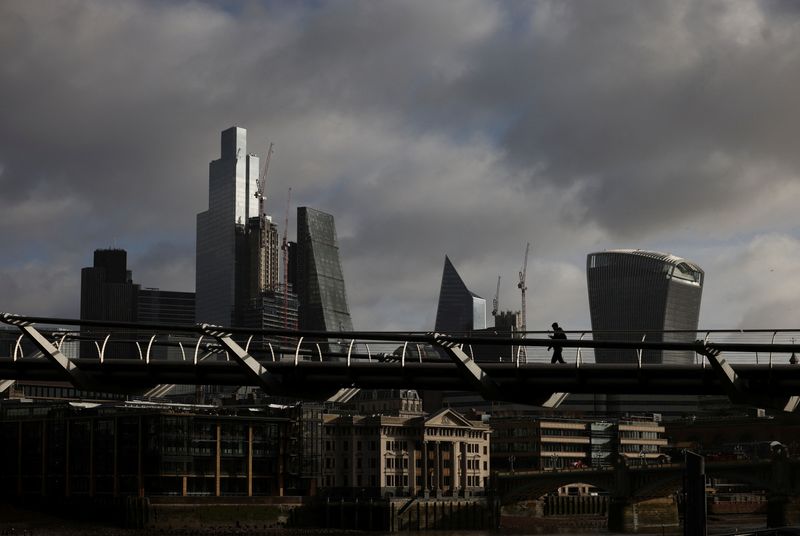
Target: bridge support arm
x: 736, y: 389
x: 482, y: 381
x: 485, y: 385
x: 250, y: 364
x: 732, y: 383
x: 70, y: 369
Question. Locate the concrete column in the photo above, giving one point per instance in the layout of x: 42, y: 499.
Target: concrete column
x: 438, y: 468
x: 116, y: 473
x: 19, y: 458
x: 412, y: 469
x: 454, y: 481
x: 91, y: 457
x: 218, y: 462
x: 426, y: 483
x: 249, y: 460
x: 281, y: 454
x: 139, y: 469
x: 463, y: 448
x: 44, y: 459
x: 66, y: 460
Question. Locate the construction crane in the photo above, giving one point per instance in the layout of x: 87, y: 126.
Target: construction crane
x: 285, y: 248
x: 260, y: 194
x: 496, y: 300
x: 261, y: 184
x: 521, y: 285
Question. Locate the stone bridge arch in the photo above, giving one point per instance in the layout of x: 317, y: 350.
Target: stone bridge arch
x: 529, y: 485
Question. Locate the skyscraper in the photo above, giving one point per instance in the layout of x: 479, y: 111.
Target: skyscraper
x: 643, y: 293
x: 460, y: 310
x: 319, y: 278
x: 237, y: 246
x: 107, y: 288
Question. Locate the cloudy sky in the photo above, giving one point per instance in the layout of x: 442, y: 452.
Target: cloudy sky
x: 466, y: 128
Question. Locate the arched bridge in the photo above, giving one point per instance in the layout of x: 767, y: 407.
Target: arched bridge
x: 136, y: 357
x: 649, y: 481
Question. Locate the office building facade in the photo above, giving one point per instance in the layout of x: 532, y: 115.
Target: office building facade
x: 107, y: 288
x: 635, y: 294
x: 460, y: 310
x: 406, y: 455
x: 232, y: 184
x: 237, y: 277
x: 318, y: 277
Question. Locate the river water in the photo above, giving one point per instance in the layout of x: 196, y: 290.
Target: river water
x: 17, y: 522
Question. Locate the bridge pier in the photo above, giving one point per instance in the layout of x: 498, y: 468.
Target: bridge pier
x: 783, y: 510
x: 630, y: 516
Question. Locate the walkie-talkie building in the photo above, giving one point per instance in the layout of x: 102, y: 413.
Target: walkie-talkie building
x: 635, y: 294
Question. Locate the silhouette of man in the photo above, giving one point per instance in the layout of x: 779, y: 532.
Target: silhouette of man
x: 558, y: 333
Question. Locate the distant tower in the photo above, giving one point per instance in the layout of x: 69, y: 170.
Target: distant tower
x: 644, y: 293
x: 231, y: 203
x: 107, y: 289
x: 318, y: 273
x: 459, y: 310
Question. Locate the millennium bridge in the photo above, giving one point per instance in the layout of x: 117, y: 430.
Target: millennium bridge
x: 749, y: 366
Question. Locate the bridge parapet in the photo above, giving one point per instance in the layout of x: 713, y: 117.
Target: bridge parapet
x: 304, y: 363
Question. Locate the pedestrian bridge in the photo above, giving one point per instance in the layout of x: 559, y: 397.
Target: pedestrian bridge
x: 750, y: 367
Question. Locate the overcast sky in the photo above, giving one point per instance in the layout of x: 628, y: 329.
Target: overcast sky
x: 464, y: 128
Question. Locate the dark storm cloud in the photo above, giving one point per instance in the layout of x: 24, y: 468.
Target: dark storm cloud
x: 465, y: 127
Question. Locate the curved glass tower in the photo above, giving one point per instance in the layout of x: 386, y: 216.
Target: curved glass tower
x: 641, y: 294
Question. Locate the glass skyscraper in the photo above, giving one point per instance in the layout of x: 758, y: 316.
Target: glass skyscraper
x: 318, y: 278
x: 643, y: 293
x: 231, y: 203
x: 460, y: 310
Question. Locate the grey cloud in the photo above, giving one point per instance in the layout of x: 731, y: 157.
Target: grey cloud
x: 466, y: 128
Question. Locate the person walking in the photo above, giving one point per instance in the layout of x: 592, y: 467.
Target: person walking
x: 558, y: 334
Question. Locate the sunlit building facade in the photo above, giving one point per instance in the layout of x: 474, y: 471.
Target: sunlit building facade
x: 231, y: 203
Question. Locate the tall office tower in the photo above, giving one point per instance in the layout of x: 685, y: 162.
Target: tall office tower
x: 319, y: 279
x: 221, y: 230
x: 460, y: 310
x: 641, y: 294
x: 108, y: 293
x: 107, y: 289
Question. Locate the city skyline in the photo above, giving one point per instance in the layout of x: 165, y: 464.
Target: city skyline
x: 420, y: 144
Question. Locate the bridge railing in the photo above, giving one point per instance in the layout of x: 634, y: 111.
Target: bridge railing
x: 101, y: 340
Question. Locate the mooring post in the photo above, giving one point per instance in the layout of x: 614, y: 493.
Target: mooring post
x: 694, y: 489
